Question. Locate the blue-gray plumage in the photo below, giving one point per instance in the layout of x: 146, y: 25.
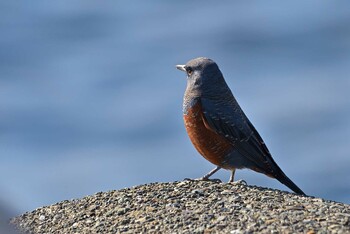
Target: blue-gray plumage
x: 219, y: 129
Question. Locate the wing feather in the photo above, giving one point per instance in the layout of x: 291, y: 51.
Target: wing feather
x: 228, y: 120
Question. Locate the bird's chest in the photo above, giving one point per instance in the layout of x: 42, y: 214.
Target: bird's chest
x: 209, y: 144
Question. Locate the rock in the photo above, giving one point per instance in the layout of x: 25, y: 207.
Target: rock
x: 189, y: 206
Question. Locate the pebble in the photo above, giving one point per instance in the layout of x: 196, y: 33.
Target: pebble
x: 189, y: 206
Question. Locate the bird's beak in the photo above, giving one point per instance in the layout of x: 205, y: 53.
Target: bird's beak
x: 181, y: 67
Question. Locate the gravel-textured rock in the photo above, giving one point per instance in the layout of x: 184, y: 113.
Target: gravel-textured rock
x: 190, y: 207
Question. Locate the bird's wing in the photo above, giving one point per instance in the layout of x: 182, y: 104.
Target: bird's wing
x: 228, y: 120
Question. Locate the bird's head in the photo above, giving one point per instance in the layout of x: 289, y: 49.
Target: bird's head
x: 203, y: 76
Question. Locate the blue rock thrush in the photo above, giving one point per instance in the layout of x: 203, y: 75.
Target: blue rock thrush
x: 219, y: 129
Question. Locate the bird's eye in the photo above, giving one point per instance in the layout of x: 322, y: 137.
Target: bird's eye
x: 189, y: 71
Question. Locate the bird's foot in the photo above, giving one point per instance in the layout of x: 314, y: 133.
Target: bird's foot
x: 242, y: 182
x: 212, y: 180
x: 204, y: 179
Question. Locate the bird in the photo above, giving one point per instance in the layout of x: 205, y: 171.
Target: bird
x: 219, y: 129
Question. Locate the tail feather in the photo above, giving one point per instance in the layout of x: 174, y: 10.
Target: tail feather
x: 289, y: 183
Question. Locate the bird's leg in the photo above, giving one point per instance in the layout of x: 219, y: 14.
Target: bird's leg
x: 232, y: 177
x: 206, y: 177
x: 238, y: 181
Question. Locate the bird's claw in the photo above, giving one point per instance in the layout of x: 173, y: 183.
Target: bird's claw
x: 204, y: 179
x: 241, y: 182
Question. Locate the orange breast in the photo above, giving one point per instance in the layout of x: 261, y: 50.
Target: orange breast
x: 210, y: 145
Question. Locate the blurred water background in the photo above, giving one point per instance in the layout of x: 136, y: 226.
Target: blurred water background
x: 90, y: 99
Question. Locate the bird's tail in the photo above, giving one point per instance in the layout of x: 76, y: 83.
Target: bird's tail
x: 281, y: 177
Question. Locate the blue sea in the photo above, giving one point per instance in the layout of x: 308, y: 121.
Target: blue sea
x: 90, y: 99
